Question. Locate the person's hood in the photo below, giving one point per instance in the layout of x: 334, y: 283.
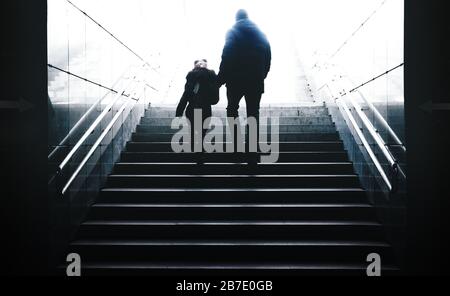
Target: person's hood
x: 248, y: 29
x: 245, y: 25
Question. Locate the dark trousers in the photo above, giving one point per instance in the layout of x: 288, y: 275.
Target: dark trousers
x: 206, y: 113
x: 253, y: 102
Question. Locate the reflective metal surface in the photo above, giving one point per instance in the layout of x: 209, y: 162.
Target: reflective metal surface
x: 365, y: 62
x: 98, y: 91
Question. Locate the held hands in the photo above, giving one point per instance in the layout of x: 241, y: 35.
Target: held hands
x: 220, y: 81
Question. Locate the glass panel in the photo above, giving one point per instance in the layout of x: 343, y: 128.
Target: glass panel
x: 372, y: 55
x: 57, y: 34
x: 85, y: 61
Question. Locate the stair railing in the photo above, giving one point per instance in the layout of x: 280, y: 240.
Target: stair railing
x: 133, y: 93
x: 88, y: 113
x: 94, y: 125
x: 347, y: 103
x: 381, y: 120
x: 80, y: 164
x: 342, y: 92
x: 346, y: 112
x: 67, y: 160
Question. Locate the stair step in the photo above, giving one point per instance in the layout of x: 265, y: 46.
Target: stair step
x: 288, y: 112
x: 283, y: 137
x: 165, y: 121
x: 234, y: 195
x: 228, y: 269
x: 232, y: 229
x: 233, y: 181
x: 162, y: 214
x: 283, y: 157
x: 329, y: 128
x: 355, y: 252
x: 233, y: 169
x: 235, y: 211
x: 283, y: 146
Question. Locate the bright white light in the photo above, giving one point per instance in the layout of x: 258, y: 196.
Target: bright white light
x: 174, y: 33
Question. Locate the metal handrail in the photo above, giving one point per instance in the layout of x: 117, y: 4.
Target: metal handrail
x: 94, y: 125
x: 96, y: 145
x: 383, y: 122
x: 113, y: 36
x: 376, y: 77
x: 378, y: 139
x: 346, y: 112
x: 87, y: 113
x: 372, y: 108
x: 364, y: 142
x: 347, y: 41
x: 373, y: 132
x: 110, y: 89
x: 90, y: 130
x: 358, y: 29
x: 107, y: 109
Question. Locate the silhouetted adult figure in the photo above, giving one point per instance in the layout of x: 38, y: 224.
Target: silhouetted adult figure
x: 246, y: 61
x: 200, y: 93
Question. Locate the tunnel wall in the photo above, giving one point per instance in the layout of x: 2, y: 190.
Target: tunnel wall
x: 371, y: 62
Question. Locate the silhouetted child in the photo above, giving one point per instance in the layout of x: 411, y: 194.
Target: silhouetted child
x: 201, y: 92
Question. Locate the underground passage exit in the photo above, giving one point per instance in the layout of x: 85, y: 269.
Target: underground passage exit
x: 133, y: 200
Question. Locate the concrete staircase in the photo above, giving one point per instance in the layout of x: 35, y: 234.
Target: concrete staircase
x: 160, y: 213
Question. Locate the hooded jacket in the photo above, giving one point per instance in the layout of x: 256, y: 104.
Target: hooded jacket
x: 246, y: 57
x: 192, y: 100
